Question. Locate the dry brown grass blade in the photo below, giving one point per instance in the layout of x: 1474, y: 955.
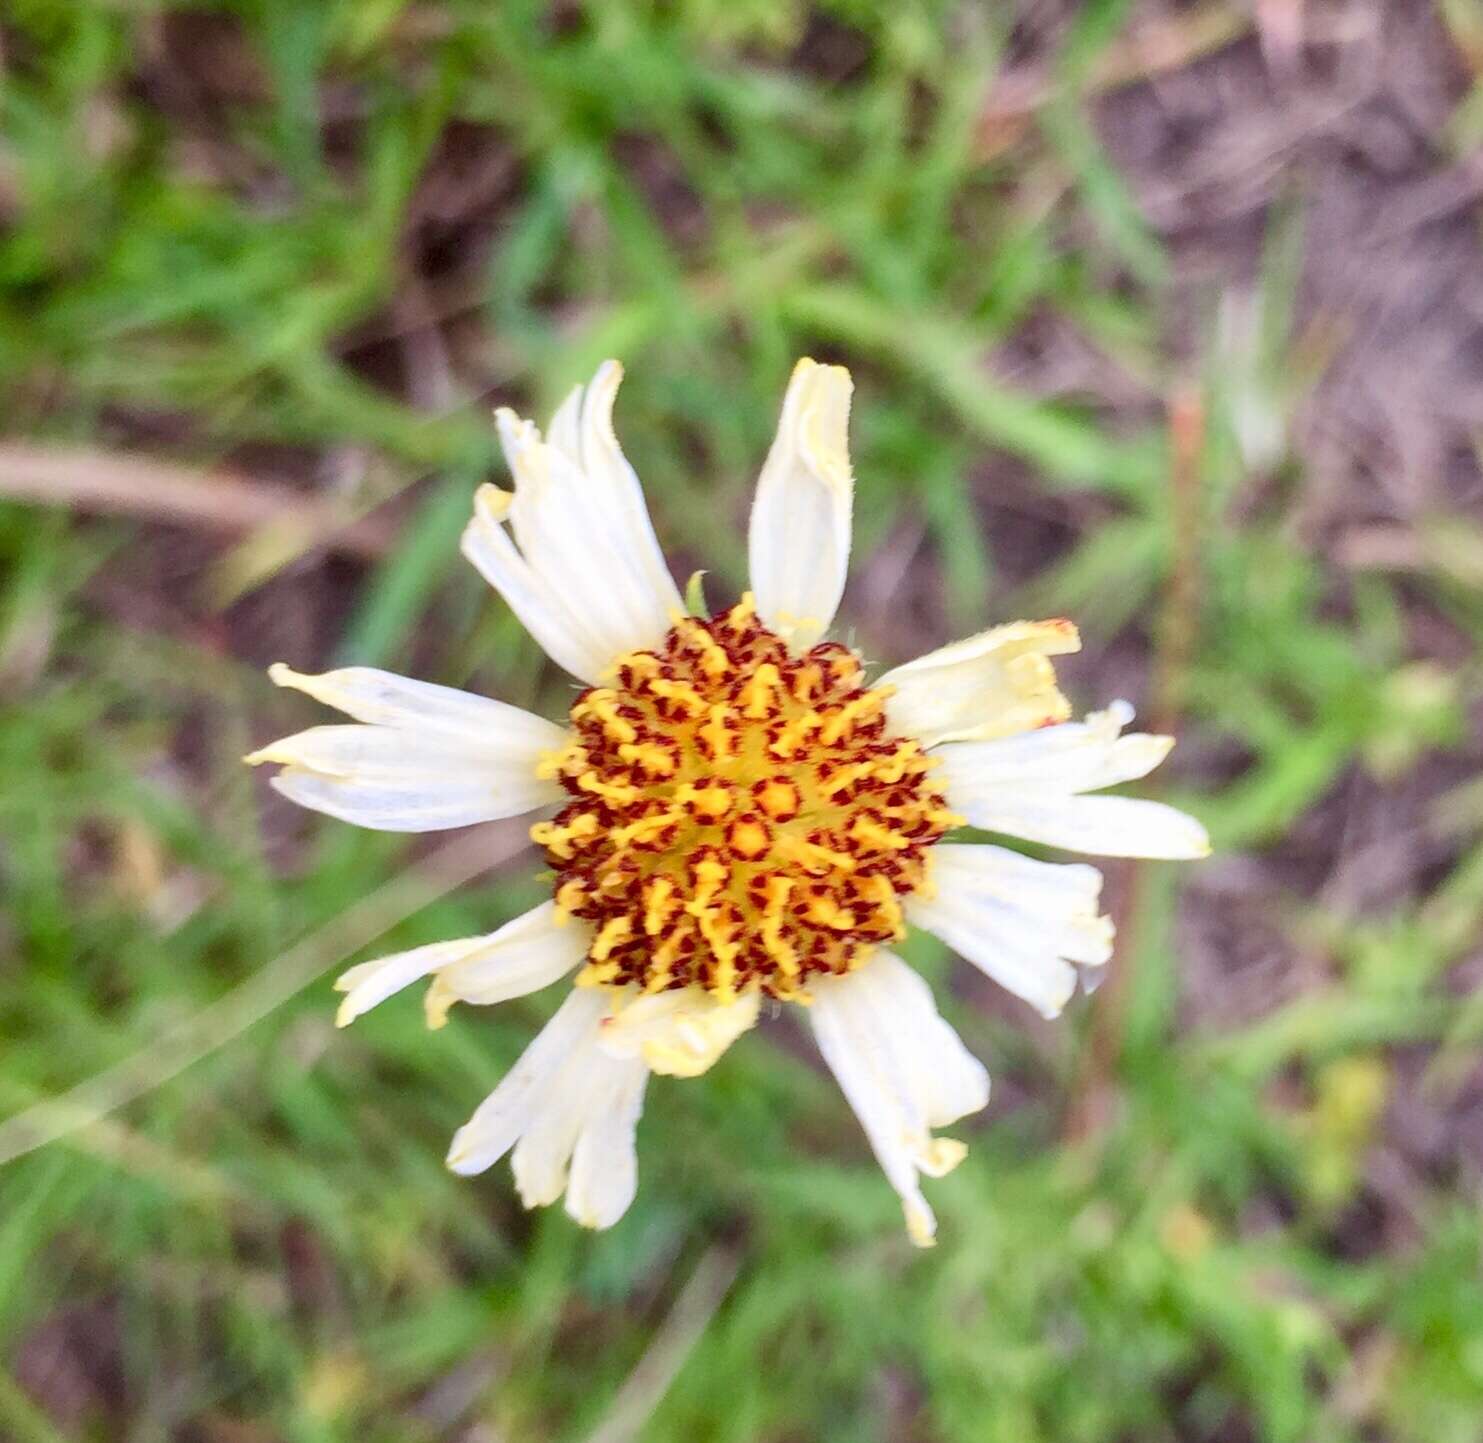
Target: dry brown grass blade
x: 1094, y: 1097
x: 676, y: 1337
x: 85, y: 479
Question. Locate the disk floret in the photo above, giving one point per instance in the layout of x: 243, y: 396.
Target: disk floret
x: 742, y: 819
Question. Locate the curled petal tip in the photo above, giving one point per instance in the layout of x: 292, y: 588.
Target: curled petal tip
x: 1066, y: 632
x: 1196, y: 843
x: 437, y: 1002
x: 806, y: 365
x: 490, y: 504
x: 921, y: 1225
x: 517, y: 436
x: 941, y: 1156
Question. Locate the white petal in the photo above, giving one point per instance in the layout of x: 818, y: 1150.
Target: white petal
x: 588, y: 579
x: 569, y: 527
x: 382, y: 698
x: 396, y: 780
x: 1026, y: 786
x: 799, y: 544
x: 368, y: 984
x: 680, y: 1033
x: 990, y: 685
x: 569, y: 1110
x: 424, y: 758
x: 949, y: 1081
x: 592, y: 1099
x: 615, y: 483
x: 1073, y: 757
x: 565, y: 430
x: 543, y: 1151
x: 848, y: 1057
x: 543, y: 610
x: 524, y: 955
x: 604, y: 1174
x: 1107, y: 826
x: 900, y: 1066
x: 570, y: 1036
x: 1021, y: 921
x: 521, y: 957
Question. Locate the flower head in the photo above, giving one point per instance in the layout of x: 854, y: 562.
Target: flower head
x: 731, y: 811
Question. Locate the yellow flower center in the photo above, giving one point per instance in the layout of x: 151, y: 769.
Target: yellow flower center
x: 741, y: 818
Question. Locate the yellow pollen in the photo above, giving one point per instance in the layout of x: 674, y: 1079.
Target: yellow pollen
x: 720, y: 936
x: 714, y: 734
x: 620, y: 794
x: 844, y: 666
x: 814, y: 858
x: 659, y: 904
x: 552, y: 764
x: 941, y: 817
x: 808, y: 682
x: 908, y: 757
x: 557, y: 837
x: 710, y: 802
x: 614, y: 931
x: 640, y: 665
x: 649, y: 758
x: 871, y: 834
x: 739, y: 618
x: 847, y: 716
x: 714, y: 662
x: 569, y: 896
x: 758, y: 692
x: 709, y: 876
x: 747, y: 838
x: 778, y: 798
x: 663, y: 958
x: 739, y: 818
x: 828, y: 913
x: 790, y: 740
x: 603, y: 704
x: 844, y: 779
x: 779, y: 948
x: 678, y: 692
x: 647, y: 828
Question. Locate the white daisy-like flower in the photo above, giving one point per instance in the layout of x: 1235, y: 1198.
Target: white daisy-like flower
x: 731, y: 811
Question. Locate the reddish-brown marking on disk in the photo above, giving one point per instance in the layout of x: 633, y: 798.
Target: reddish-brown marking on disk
x: 741, y: 818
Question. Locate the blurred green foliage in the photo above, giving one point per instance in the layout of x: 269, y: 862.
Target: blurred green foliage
x: 269, y: 1239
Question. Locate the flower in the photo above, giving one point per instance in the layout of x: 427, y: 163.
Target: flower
x: 731, y: 812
